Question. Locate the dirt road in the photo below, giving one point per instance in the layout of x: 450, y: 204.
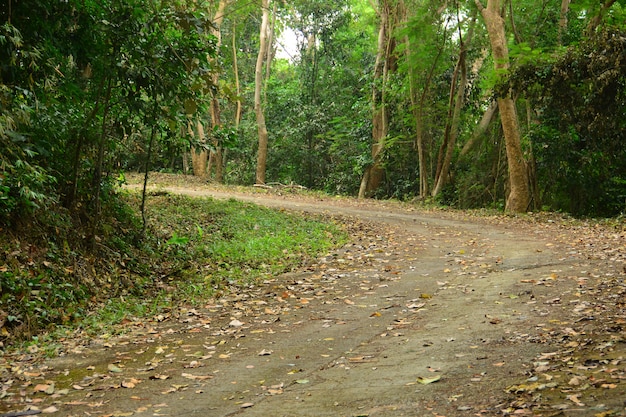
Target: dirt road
x: 425, y: 315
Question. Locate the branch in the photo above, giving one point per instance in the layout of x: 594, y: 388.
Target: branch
x: 374, y: 7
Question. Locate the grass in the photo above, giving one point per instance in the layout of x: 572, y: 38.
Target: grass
x: 233, y: 243
x: 195, y: 249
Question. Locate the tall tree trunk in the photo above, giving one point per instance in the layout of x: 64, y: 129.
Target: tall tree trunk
x: 236, y: 74
x: 455, y: 105
x: 385, y: 63
x: 451, y: 131
x: 215, y: 158
x: 269, y: 54
x: 563, y: 19
x: 418, y: 104
x: 238, y: 108
x: 518, y: 199
x: 258, y: 84
x: 199, y: 155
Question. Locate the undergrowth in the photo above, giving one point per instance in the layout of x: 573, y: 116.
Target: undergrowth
x: 51, y: 282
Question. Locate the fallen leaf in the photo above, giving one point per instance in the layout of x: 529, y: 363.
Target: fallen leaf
x: 235, y: 323
x: 574, y: 398
x: 302, y: 381
x: 131, y: 383
x: 575, y: 381
x: 426, y: 381
x: 247, y: 405
x: 43, y: 388
x: 50, y: 410
x: 114, y: 368
x: 265, y: 352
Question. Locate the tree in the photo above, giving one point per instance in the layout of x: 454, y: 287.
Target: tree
x: 456, y: 102
x: 258, y: 86
x: 518, y: 199
x: 92, y: 84
x: 386, y: 63
x: 426, y: 36
x: 216, y: 154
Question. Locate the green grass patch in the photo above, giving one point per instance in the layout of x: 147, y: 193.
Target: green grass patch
x: 234, y: 243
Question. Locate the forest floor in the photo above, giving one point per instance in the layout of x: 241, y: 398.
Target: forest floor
x: 423, y: 313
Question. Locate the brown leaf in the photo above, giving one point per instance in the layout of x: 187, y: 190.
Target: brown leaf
x: 574, y: 398
x: 131, y: 383
x: 42, y: 387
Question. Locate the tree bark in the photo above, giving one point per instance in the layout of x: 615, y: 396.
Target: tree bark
x: 199, y: 155
x: 215, y: 158
x: 258, y: 84
x: 518, y: 199
x: 597, y: 19
x: 385, y: 63
x: 481, y: 128
x: 563, y: 19
x: 236, y: 74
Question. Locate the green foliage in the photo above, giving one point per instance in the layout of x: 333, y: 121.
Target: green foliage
x: 579, y: 136
x: 75, y: 74
x: 24, y: 186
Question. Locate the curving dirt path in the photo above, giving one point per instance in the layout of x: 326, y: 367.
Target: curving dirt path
x: 443, y: 314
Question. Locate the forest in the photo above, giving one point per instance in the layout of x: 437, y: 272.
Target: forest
x: 514, y: 109
x: 513, y: 105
